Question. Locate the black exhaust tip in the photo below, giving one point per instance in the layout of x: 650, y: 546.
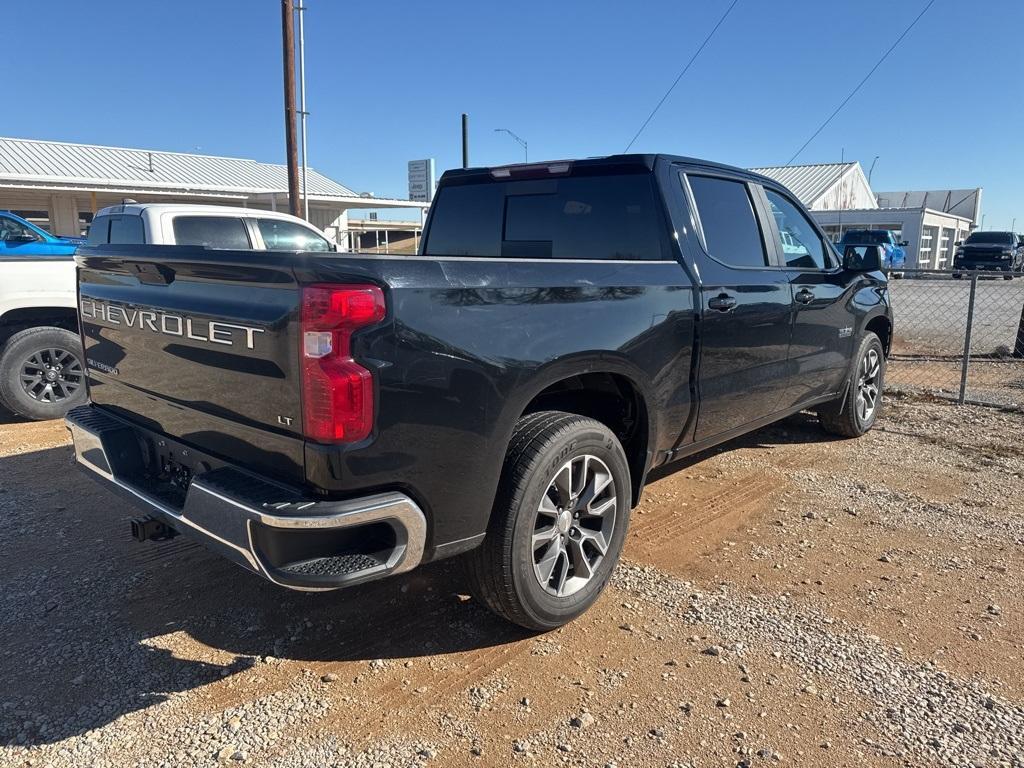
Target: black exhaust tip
x: 149, y: 528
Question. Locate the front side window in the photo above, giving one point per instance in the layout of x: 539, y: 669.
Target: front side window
x: 15, y: 232
x: 731, y: 232
x: 799, y: 241
x: 225, y: 232
x: 281, y: 235
x: 615, y: 216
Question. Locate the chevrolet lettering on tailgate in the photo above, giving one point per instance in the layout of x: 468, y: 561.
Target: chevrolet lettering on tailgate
x: 212, y: 331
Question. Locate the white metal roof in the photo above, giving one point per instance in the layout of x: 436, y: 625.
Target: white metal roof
x: 960, y: 202
x: 807, y: 182
x: 63, y: 163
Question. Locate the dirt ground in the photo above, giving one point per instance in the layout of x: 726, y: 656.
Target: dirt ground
x: 787, y: 599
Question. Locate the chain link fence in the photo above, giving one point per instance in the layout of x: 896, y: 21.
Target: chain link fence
x: 961, y: 339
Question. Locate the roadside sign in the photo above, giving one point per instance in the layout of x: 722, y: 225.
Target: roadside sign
x: 421, y: 180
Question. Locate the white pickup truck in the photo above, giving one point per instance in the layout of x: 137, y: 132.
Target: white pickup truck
x: 41, y: 364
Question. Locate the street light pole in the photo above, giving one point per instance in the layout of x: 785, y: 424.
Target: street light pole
x: 520, y: 141
x: 872, y: 169
x: 302, y: 103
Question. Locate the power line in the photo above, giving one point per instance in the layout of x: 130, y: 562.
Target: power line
x: 861, y: 83
x: 680, y: 77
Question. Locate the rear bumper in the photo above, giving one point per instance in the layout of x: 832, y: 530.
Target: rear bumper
x: 270, y: 529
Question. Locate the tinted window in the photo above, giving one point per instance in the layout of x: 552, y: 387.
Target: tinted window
x: 99, y: 231
x: 586, y: 217
x: 126, y: 230
x: 15, y: 231
x: 211, y: 232
x: 998, y: 238
x: 868, y: 236
x: 800, y: 243
x: 731, y: 232
x: 279, y: 235
x: 466, y: 221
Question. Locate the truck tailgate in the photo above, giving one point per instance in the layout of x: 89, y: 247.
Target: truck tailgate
x: 201, y: 346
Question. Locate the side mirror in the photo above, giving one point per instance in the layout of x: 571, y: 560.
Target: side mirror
x: 863, y: 258
x: 959, y: 242
x: 904, y: 243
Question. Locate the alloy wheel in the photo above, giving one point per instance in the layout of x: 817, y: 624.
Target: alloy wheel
x: 868, y: 385
x: 51, y: 375
x: 574, y: 525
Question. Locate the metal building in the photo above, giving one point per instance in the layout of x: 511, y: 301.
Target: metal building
x: 60, y: 185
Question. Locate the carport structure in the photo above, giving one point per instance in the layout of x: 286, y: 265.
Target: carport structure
x: 60, y: 185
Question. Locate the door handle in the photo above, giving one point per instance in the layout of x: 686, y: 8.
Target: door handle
x: 723, y: 302
x: 804, y: 296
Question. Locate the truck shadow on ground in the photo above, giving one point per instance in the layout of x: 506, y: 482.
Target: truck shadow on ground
x: 99, y: 626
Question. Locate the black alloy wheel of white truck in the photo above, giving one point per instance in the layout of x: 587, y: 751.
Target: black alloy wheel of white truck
x: 42, y: 374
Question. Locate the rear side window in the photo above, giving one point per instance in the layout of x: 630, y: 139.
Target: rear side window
x: 126, y: 230
x: 585, y: 217
x: 99, y: 231
x: 280, y: 235
x: 731, y: 232
x: 117, y: 229
x: 211, y: 232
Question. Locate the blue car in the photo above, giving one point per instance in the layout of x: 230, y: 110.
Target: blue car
x: 895, y: 250
x: 23, y: 238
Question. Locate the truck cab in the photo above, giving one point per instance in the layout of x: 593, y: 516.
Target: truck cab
x: 205, y: 226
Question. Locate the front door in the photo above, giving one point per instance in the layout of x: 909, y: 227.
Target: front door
x: 746, y: 306
x: 823, y: 315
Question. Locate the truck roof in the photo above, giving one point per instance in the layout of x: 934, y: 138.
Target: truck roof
x: 608, y: 162
x: 136, y: 209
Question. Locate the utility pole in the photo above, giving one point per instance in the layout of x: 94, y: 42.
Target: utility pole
x: 465, y: 140
x: 872, y: 169
x: 302, y: 104
x: 288, y: 53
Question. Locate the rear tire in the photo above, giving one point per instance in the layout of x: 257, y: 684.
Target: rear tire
x: 857, y: 410
x: 42, y: 373
x: 558, y: 524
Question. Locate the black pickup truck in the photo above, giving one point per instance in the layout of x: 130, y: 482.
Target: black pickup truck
x: 324, y: 419
x: 989, y: 251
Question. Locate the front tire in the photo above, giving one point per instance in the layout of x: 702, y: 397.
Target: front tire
x: 857, y: 410
x: 558, y: 524
x: 42, y: 375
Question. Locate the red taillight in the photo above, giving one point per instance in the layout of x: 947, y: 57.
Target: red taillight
x: 337, y: 392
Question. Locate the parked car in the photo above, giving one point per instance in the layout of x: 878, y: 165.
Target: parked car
x: 19, y: 237
x: 989, y: 251
x: 327, y: 419
x: 42, y: 370
x: 894, y: 250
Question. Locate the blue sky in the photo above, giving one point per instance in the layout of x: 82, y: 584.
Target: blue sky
x: 387, y: 81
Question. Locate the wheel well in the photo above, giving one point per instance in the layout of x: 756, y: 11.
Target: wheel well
x: 882, y: 328
x: 611, y: 399
x: 36, y: 317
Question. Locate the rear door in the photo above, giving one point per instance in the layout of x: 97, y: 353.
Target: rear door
x: 823, y: 316
x: 745, y: 304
